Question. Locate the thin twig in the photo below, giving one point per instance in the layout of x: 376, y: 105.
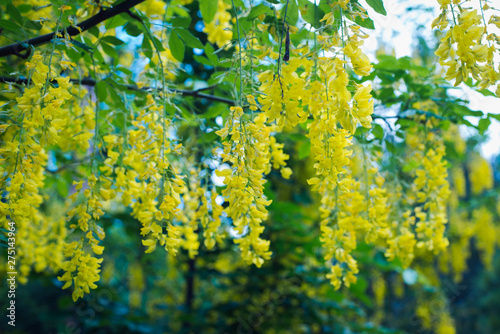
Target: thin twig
x: 281, y: 45
x: 240, y: 98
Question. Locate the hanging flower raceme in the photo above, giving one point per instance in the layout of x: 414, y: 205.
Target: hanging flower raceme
x: 485, y: 233
x: 466, y: 48
x: 329, y: 147
x: 283, y: 96
x: 360, y: 62
x: 480, y: 174
x: 200, y: 208
x: 432, y: 189
x: 247, y: 150
x: 82, y: 266
x: 38, y: 116
x: 82, y: 270
x: 147, y: 182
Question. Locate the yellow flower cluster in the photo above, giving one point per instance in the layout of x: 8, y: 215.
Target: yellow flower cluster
x: 469, y: 181
x: 439, y: 319
x: 153, y: 8
x: 466, y: 48
x: 82, y: 270
x: 200, y: 207
x: 321, y: 88
x: 360, y: 63
x: 486, y: 234
x: 39, y: 115
x: 136, y: 284
x: 247, y: 150
x: 89, y: 211
x: 148, y: 183
x: 329, y: 148
x: 220, y: 30
x: 480, y: 174
x: 461, y: 231
x: 338, y: 226
x: 379, y: 288
x: 432, y: 189
x: 281, y: 102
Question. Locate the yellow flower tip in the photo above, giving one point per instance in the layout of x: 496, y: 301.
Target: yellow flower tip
x: 237, y: 110
x: 258, y: 261
x: 286, y: 172
x: 151, y: 244
x: 97, y: 249
x: 313, y: 181
x: 223, y: 172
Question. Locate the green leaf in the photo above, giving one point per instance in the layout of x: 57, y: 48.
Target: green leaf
x: 24, y: 8
x: 73, y: 54
x: 132, y: 30
x: 203, y: 60
x: 483, y: 125
x: 365, y: 23
x: 208, y: 8
x: 32, y: 25
x: 208, y: 137
x: 109, y: 50
x: 81, y: 45
x: 311, y: 13
x: 101, y: 89
x: 14, y: 13
x: 378, y: 131
x: 176, y: 46
x: 157, y: 44
x: 116, y: 22
x: 495, y: 116
x: 123, y: 70
x: 112, y: 40
x: 94, y: 31
x: 181, y: 22
x: 411, y: 165
x: 390, y: 146
x: 377, y: 5
x: 215, y: 110
x: 62, y: 187
x: 189, y: 39
x: 3, y: 238
x: 146, y: 47
x: 114, y: 88
x: 304, y: 149
x: 292, y: 12
x: 9, y: 25
x: 257, y: 11
x: 464, y: 111
x: 209, y: 52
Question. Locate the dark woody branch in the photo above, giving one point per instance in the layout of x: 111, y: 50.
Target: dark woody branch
x: 92, y: 82
x: 17, y: 48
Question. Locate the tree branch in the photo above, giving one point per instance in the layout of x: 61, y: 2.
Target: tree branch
x: 17, y: 48
x: 92, y: 82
